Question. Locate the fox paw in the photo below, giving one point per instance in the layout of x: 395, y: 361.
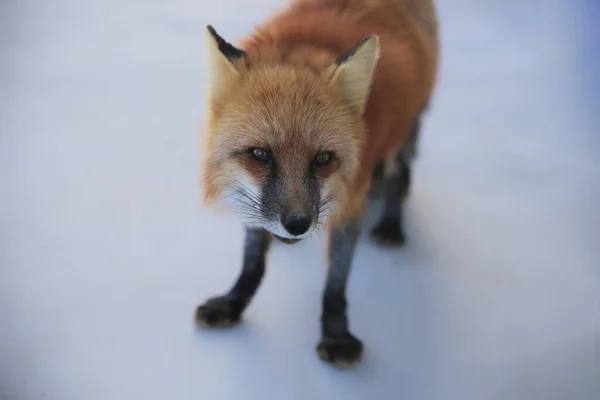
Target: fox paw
x: 388, y: 232
x: 219, y: 312
x: 342, y: 352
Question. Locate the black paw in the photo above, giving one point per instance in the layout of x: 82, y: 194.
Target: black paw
x: 388, y: 232
x: 219, y: 312
x: 340, y: 351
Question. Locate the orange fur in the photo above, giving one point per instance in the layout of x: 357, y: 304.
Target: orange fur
x: 283, y: 94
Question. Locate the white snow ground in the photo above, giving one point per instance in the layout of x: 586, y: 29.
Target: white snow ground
x: 105, y: 250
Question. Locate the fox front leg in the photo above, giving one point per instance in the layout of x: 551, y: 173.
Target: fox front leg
x: 338, y: 346
x: 226, y: 310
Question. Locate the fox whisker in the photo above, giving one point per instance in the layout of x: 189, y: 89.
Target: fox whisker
x: 248, y: 192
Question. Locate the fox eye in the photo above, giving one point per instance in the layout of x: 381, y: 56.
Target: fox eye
x: 260, y: 154
x: 323, y: 158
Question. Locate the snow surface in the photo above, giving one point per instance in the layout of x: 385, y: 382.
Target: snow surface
x: 106, y: 250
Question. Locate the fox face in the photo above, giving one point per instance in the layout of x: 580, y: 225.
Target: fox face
x: 284, y: 141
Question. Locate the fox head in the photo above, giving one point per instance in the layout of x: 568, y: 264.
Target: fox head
x: 283, y: 141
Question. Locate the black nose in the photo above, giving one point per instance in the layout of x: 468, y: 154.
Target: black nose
x: 296, y: 224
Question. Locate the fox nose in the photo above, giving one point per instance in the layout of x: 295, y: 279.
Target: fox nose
x: 296, y: 224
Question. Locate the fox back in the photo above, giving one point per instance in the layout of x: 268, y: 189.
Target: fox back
x: 309, y: 104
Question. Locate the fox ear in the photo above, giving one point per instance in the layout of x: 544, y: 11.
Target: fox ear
x: 221, y: 56
x: 354, y: 71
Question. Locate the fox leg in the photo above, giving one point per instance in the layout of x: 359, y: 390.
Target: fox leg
x: 338, y: 346
x: 226, y: 310
x: 397, y: 175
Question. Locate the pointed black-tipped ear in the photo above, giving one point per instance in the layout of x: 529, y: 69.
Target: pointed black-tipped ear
x: 354, y: 71
x: 222, y: 56
x: 228, y: 50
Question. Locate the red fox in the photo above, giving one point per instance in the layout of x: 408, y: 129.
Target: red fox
x: 300, y: 116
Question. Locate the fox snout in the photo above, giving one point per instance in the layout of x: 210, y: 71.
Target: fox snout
x: 293, y: 226
x: 293, y: 211
x: 288, y: 194
x: 296, y: 224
